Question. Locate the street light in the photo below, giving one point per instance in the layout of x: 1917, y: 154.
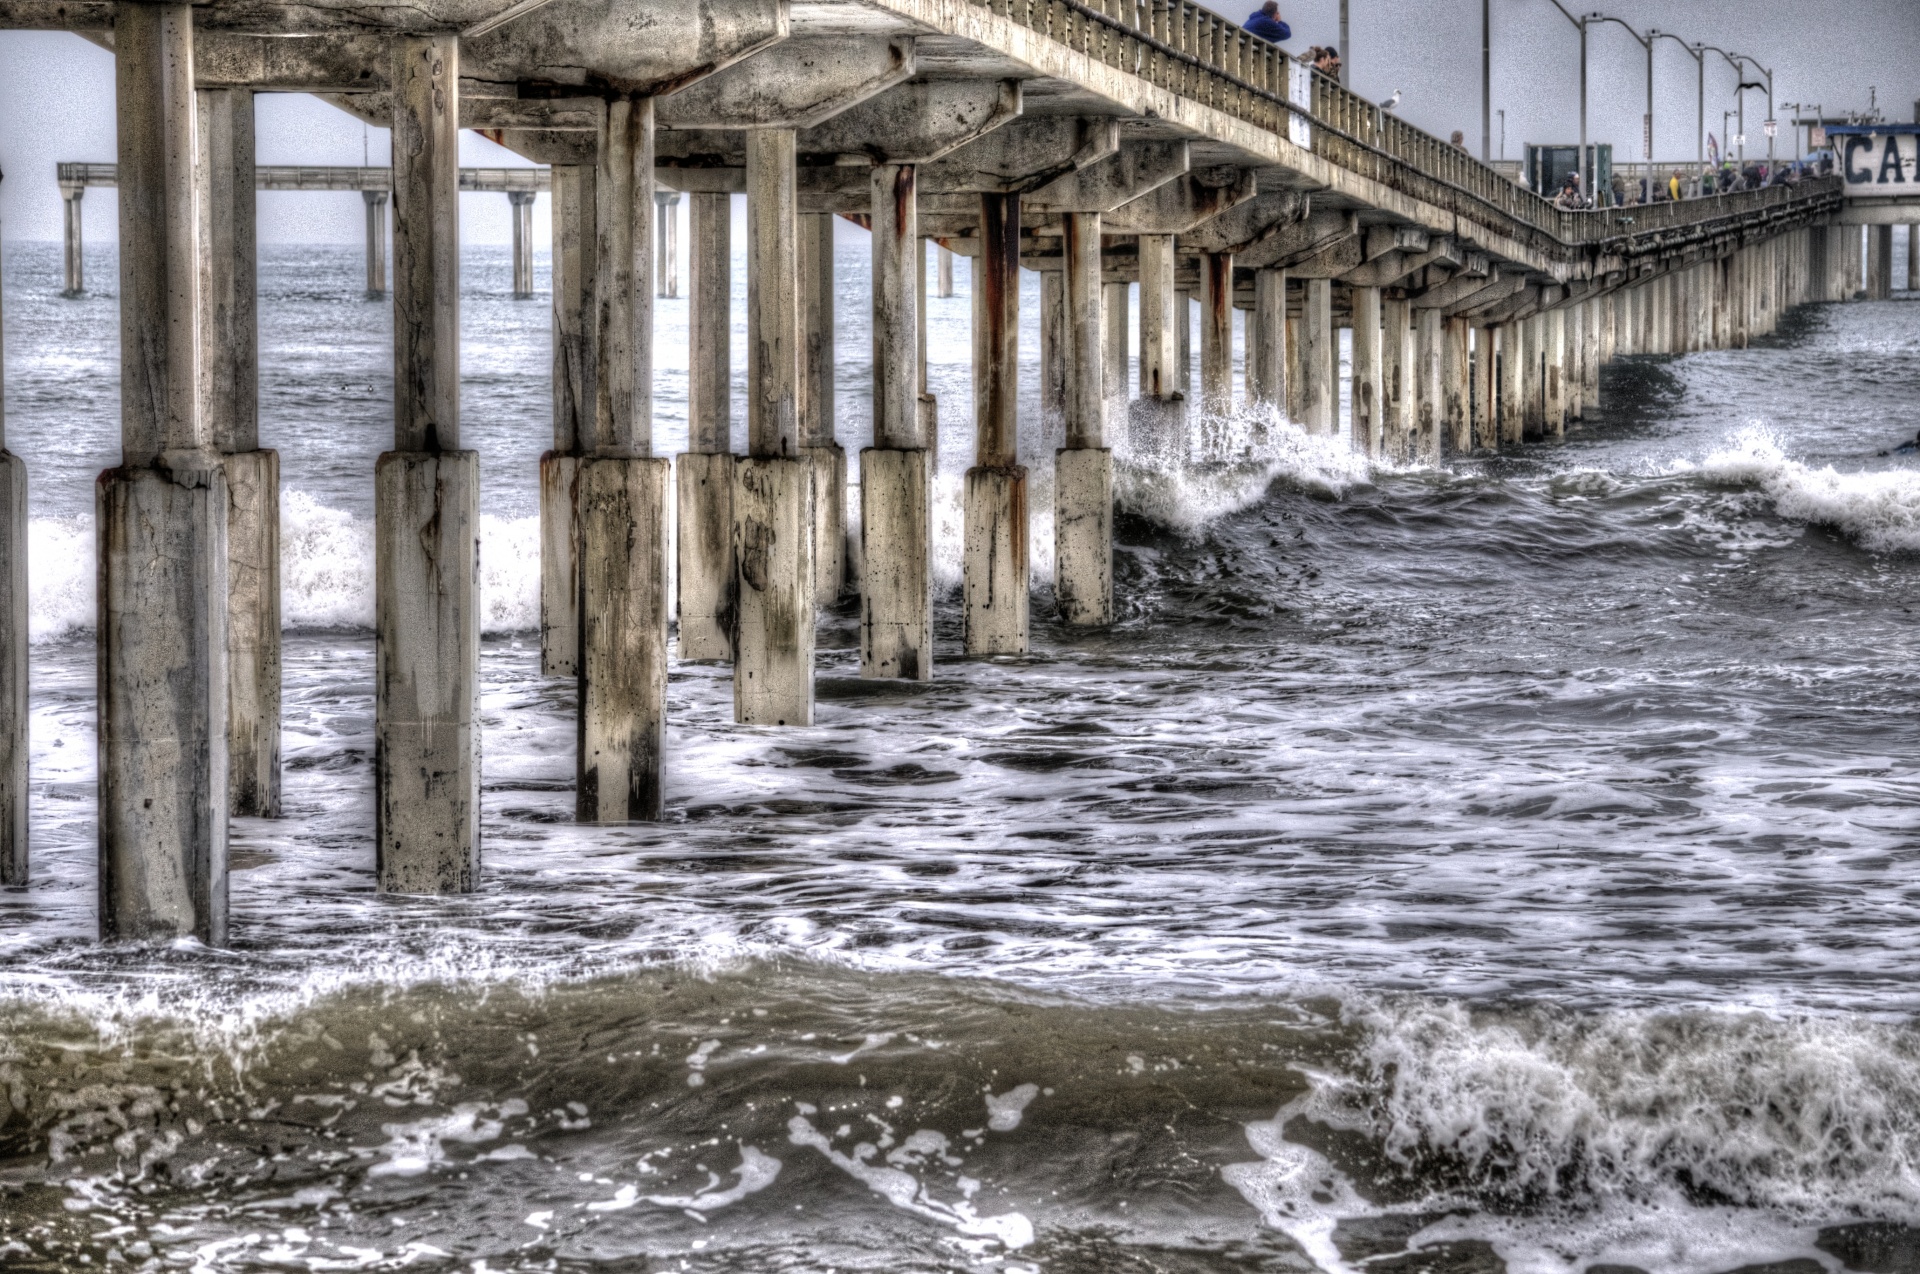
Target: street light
x: 1769, y: 74
x: 1700, y: 61
x: 1486, y: 83
x: 1645, y: 42
x: 1580, y: 163
x: 1734, y: 60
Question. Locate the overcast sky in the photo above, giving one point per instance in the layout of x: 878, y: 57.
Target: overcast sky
x: 56, y: 94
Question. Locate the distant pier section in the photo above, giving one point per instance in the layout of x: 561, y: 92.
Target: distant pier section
x: 375, y: 185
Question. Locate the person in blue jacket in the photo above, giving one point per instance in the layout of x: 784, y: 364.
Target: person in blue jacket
x: 1267, y: 24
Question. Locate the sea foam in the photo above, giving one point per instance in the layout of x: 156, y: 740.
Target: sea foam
x: 1880, y: 511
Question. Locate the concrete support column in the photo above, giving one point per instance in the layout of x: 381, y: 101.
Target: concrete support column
x: 1486, y: 431
x: 1183, y: 343
x: 1216, y: 333
x: 825, y: 457
x: 13, y: 652
x: 1369, y: 424
x: 575, y: 397
x: 74, y: 255
x: 704, y: 474
x: 1267, y: 343
x: 1115, y: 324
x: 1430, y: 381
x: 1879, y: 262
x: 620, y: 498
x: 896, y: 473
x: 1396, y: 376
x: 520, y: 203
x: 230, y: 400
x: 945, y: 268
x: 1535, y: 372
x: 1913, y: 258
x: 773, y: 513
x: 1083, y: 469
x: 1513, y: 362
x: 1556, y: 372
x: 1319, y: 386
x: 1296, y: 382
x: 1157, y: 423
x: 995, y: 565
x: 1576, y: 351
x: 162, y: 527
x: 1053, y: 365
x: 426, y: 510
x: 376, y: 209
x: 1592, y: 319
x: 666, y: 248
x: 1456, y: 384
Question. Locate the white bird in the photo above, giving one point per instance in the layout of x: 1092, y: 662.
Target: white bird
x: 1391, y: 102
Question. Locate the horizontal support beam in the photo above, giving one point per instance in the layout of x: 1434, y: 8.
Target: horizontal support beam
x: 296, y: 177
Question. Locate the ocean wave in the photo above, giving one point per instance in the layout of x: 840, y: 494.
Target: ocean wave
x: 326, y: 571
x: 1880, y: 511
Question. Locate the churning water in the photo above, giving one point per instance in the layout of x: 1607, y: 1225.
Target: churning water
x: 1504, y: 866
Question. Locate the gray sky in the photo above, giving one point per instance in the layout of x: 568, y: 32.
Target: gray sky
x: 56, y: 94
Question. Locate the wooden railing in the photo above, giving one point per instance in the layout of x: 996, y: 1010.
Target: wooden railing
x: 1194, y: 52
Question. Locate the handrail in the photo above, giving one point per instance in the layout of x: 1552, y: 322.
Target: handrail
x: 1190, y: 50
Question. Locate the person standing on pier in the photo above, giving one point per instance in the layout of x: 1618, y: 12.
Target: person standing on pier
x: 1268, y: 25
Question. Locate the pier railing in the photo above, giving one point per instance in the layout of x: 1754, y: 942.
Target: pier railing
x: 1194, y: 52
x: 320, y: 177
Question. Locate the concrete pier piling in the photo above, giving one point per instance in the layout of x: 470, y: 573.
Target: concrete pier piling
x: 1116, y: 327
x: 666, y: 246
x: 1157, y: 419
x: 426, y: 511
x: 994, y: 498
x: 230, y: 399
x: 1216, y: 333
x: 1320, y: 392
x: 896, y: 473
x: 1267, y: 340
x: 575, y: 393
x: 73, y: 258
x: 945, y: 266
x: 1396, y: 375
x: 1367, y: 398
x: 520, y: 204
x: 1083, y: 468
x: 162, y: 526
x: 1456, y: 385
x: 705, y: 577
x: 1486, y: 434
x: 773, y: 514
x: 1879, y: 262
x: 620, y: 498
x: 13, y: 652
x: 826, y: 458
x: 1429, y: 385
x: 376, y: 210
x: 1556, y: 373
x: 1913, y: 258
x: 1513, y: 359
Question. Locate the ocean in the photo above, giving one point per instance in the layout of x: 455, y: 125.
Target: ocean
x: 1503, y: 866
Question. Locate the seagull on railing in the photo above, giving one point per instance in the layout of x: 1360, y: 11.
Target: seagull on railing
x: 1391, y: 102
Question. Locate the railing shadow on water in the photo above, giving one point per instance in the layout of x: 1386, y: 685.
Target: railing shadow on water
x: 1193, y: 52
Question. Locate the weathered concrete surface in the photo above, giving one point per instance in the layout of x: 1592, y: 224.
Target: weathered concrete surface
x: 896, y: 589
x: 1319, y: 389
x: 1136, y: 168
x: 163, y: 704
x: 623, y: 638
x: 1512, y: 391
x: 1486, y: 434
x: 917, y: 123
x: 13, y: 670
x: 1556, y: 373
x: 710, y: 279
x: 1216, y: 333
x: 1369, y: 425
x: 1022, y: 155
x: 229, y: 360
x: 1157, y: 420
x: 253, y: 633
x: 1115, y: 328
x: 426, y: 244
x: 623, y: 290
x: 1429, y: 386
x: 703, y: 549
x: 773, y: 545
x: 559, y: 566
x: 796, y: 83
x: 426, y: 681
x: 773, y: 309
x: 995, y: 562
x: 1083, y: 535
x: 1083, y: 397
x: 1267, y: 339
x: 829, y: 467
x: 899, y: 285
x: 1456, y: 385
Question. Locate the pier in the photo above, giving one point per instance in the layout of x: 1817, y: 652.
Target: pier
x: 1102, y: 144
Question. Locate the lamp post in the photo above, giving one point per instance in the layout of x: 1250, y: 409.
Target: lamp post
x: 1645, y: 42
x: 1733, y: 60
x: 1486, y: 82
x: 1580, y: 161
x: 1700, y: 65
x: 1769, y: 74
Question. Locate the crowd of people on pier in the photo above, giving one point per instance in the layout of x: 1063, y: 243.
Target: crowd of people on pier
x: 1727, y: 178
